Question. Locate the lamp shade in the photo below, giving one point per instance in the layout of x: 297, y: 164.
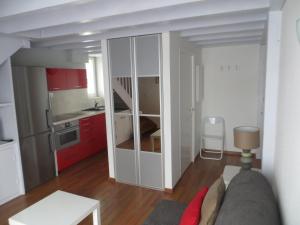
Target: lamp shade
x: 246, y: 137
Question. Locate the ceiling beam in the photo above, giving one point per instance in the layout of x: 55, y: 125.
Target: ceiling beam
x: 127, y: 21
x: 259, y: 16
x: 157, y: 15
x: 97, y: 48
x: 230, y: 40
x: 226, y: 35
x: 277, y: 4
x: 78, y: 45
x: 86, y: 11
x: 248, y: 26
x: 230, y: 44
x: 15, y: 7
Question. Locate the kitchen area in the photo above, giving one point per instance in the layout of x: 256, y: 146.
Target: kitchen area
x: 60, y: 111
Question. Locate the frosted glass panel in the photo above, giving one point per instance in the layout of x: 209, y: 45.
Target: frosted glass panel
x: 147, y: 55
x: 126, y: 166
x: 120, y: 57
x: 151, y: 170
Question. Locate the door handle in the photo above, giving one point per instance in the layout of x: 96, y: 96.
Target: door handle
x: 50, y: 142
x: 48, y: 118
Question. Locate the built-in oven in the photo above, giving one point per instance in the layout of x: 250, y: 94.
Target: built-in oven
x: 66, y: 134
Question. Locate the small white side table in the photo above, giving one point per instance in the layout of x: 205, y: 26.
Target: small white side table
x: 59, y: 208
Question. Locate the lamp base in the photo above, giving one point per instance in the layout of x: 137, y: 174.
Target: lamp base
x: 246, y: 159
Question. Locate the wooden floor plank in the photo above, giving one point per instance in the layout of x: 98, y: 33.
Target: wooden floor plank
x: 121, y: 204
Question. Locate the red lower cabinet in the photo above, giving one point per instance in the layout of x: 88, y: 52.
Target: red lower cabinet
x: 67, y: 157
x: 100, y: 132
x: 92, y: 141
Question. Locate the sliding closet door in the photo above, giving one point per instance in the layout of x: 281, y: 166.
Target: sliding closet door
x: 148, y: 110
x: 121, y: 70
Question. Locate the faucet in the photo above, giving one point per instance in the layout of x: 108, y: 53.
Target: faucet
x: 96, y: 105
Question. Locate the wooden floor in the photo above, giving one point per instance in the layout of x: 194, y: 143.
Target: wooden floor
x: 120, y: 204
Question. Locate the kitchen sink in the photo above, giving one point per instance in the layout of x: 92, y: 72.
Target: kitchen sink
x: 94, y: 109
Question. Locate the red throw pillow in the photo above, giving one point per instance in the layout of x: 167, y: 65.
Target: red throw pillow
x: 192, y: 214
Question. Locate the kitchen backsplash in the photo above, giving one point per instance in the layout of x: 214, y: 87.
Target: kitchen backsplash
x: 68, y: 101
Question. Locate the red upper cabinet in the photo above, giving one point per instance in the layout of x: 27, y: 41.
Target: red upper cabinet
x: 73, y: 79
x: 82, y: 78
x: 56, y: 79
x: 64, y: 79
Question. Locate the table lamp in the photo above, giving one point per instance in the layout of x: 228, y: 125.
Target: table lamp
x: 246, y: 138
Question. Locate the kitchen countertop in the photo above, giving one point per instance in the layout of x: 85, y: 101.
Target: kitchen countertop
x: 64, y: 118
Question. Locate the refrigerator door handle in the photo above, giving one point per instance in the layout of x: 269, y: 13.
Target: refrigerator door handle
x: 50, y: 142
x: 48, y: 118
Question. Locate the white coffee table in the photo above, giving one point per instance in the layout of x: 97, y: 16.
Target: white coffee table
x: 59, y: 208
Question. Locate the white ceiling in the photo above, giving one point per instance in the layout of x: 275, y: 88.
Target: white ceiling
x: 81, y: 24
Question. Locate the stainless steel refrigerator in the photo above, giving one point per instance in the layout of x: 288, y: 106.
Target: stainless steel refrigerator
x: 34, y: 125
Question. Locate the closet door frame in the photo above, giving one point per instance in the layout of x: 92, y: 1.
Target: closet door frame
x: 132, y: 114
x: 137, y: 113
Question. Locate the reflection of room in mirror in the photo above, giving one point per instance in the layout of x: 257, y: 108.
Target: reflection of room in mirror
x: 149, y: 95
x: 124, y: 131
x: 122, y: 93
x: 150, y: 135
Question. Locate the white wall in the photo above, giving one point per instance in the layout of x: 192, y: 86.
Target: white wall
x: 67, y: 101
x: 271, y: 93
x: 231, y: 78
x: 261, y: 96
x: 287, y: 155
x: 173, y: 150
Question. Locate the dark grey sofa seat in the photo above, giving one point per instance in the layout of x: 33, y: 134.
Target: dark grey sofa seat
x: 249, y: 200
x: 166, y: 212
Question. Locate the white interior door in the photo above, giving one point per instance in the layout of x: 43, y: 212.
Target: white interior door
x: 186, y: 109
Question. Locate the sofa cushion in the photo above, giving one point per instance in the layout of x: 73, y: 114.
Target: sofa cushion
x: 166, y: 212
x: 192, y: 214
x: 212, y: 202
x: 249, y: 200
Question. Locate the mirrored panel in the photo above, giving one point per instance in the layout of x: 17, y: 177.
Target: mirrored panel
x: 149, y: 95
x: 122, y: 94
x: 150, y: 134
x: 124, y: 134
